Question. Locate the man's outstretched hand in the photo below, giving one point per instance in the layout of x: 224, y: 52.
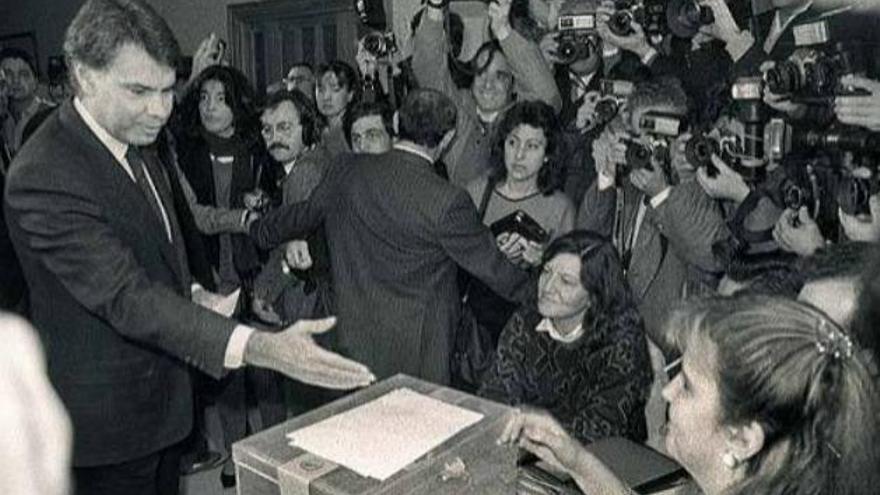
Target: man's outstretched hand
x: 294, y: 353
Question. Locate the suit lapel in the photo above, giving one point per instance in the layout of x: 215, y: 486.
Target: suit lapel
x: 121, y: 190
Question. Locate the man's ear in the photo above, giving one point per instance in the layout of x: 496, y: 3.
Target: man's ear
x: 85, y: 78
x: 745, y: 441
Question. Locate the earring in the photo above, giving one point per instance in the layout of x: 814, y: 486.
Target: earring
x: 729, y: 460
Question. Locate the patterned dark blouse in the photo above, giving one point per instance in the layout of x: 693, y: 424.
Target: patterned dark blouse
x: 596, y: 387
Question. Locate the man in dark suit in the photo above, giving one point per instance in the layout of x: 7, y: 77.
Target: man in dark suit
x: 397, y: 233
x: 91, y: 211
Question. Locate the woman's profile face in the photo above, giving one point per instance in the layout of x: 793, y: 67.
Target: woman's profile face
x: 560, y: 292
x: 695, y: 437
x: 524, y: 152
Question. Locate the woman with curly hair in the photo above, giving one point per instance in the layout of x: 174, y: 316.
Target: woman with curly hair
x: 582, y: 355
x: 526, y: 176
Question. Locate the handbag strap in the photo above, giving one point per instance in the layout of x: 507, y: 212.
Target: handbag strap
x: 487, y: 195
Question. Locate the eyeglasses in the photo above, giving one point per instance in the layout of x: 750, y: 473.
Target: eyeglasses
x: 284, y: 127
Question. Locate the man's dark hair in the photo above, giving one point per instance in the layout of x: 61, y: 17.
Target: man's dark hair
x: 13, y: 52
x: 662, y: 91
x: 102, y: 27
x: 239, y: 95
x: 307, y: 65
x: 311, y: 120
x: 367, y: 109
x: 541, y: 116
x: 425, y: 117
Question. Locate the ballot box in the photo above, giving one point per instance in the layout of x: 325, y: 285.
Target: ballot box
x: 469, y: 461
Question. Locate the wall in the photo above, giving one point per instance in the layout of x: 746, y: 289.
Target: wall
x: 48, y: 19
x: 191, y: 20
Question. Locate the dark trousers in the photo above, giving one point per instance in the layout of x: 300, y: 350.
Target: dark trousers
x: 155, y: 474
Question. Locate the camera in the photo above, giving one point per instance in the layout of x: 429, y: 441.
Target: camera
x: 698, y: 151
x: 682, y: 18
x: 853, y: 193
x: 577, y: 38
x: 811, y: 73
x: 747, y: 93
x: 782, y: 139
x: 612, y: 95
x: 380, y: 44
x: 662, y: 124
x: 519, y: 222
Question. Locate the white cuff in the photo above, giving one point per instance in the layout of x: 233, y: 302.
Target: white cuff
x: 660, y: 197
x: 604, y: 182
x: 649, y: 56
x: 234, y: 358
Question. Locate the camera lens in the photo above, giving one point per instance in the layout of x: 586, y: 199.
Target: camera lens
x: 375, y: 44
x: 606, y: 110
x: 699, y: 150
x: 784, y: 78
x: 638, y: 156
x: 821, y: 78
x: 621, y: 23
x: 685, y: 17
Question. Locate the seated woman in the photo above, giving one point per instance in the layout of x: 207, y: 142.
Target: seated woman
x: 583, y: 355
x: 526, y: 175
x: 772, y: 397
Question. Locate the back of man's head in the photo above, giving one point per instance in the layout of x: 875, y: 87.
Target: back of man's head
x: 425, y: 117
x: 102, y: 27
x: 665, y: 92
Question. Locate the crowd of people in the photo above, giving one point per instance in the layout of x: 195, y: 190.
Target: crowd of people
x: 602, y: 194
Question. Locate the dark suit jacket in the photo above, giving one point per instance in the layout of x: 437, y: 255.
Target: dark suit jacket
x: 109, y: 293
x: 672, y: 256
x: 396, y: 232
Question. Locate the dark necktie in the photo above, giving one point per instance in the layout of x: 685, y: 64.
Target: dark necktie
x: 138, y: 168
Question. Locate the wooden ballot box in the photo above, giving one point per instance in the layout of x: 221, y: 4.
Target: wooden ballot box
x: 468, y: 462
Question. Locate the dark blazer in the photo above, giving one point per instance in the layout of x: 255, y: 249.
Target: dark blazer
x: 396, y: 233
x: 109, y: 293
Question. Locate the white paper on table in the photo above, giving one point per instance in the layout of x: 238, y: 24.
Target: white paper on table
x: 217, y: 303
x: 381, y: 437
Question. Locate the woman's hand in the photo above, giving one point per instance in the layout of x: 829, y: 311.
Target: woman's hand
x: 539, y: 433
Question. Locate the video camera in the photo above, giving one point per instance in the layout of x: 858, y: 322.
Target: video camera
x: 682, y: 18
x: 576, y: 28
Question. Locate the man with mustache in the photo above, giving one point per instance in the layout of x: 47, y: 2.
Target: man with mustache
x: 290, y: 124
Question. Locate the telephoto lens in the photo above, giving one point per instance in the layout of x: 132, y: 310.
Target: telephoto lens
x: 686, y: 17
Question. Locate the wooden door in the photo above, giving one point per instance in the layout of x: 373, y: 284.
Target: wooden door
x: 267, y: 37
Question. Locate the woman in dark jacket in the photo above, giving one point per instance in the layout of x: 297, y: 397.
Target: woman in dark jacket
x: 583, y: 355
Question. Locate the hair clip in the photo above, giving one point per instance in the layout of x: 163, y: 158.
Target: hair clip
x: 832, y: 342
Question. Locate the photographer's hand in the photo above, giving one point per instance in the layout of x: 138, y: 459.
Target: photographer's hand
x: 862, y: 229
x: 499, y: 18
x: 736, y: 41
x: 781, y: 103
x: 549, y: 47
x: 726, y: 185
x: 586, y: 114
x: 797, y: 232
x: 635, y: 42
x: 863, y: 111
x: 294, y: 353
